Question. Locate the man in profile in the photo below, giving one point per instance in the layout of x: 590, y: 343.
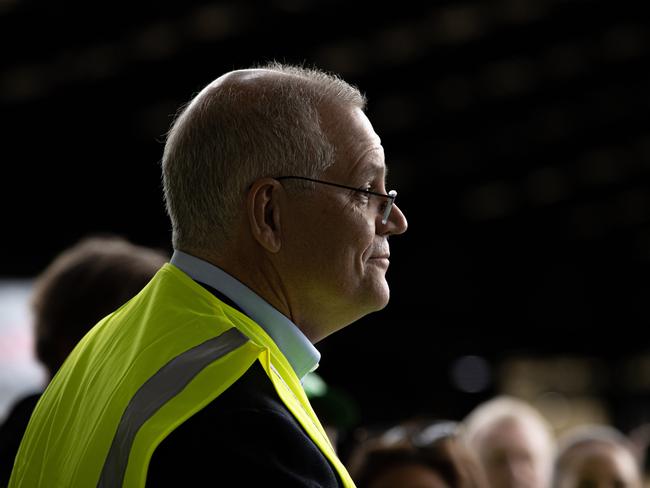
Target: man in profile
x: 274, y: 182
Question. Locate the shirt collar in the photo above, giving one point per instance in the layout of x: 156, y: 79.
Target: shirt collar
x: 299, y: 351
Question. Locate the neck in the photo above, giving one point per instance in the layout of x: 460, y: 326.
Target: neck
x: 260, y: 275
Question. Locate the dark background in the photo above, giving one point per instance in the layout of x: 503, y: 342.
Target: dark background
x: 516, y: 132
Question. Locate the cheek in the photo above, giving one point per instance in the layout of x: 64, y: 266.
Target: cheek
x: 361, y: 248
x: 362, y: 238
x: 341, y: 239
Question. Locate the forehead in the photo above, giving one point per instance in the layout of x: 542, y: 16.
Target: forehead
x: 358, y: 146
x: 513, y: 433
x: 351, y: 127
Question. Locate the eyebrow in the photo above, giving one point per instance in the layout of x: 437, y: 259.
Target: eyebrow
x: 374, y: 169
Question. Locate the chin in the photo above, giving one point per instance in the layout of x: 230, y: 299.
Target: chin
x: 384, y: 301
x: 365, y: 298
x: 379, y: 297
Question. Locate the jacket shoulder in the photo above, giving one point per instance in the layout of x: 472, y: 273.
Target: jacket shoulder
x: 245, y: 435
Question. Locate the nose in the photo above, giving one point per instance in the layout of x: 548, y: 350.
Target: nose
x: 520, y: 473
x: 396, y: 223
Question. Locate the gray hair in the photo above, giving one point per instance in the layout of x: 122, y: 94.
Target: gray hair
x: 584, y: 436
x: 504, y: 408
x: 493, y: 413
x: 499, y: 409
x: 232, y: 134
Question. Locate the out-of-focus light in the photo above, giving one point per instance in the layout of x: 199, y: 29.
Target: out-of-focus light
x: 214, y: 22
x: 314, y: 385
x: 566, y: 60
x: 460, y: 23
x: 22, y: 83
x: 590, y: 220
x: 633, y: 207
x: 471, y: 374
x: 295, y: 6
x: 7, y: 5
x: 394, y: 112
x: 598, y: 167
x: 625, y: 41
x: 349, y: 57
x: 155, y: 120
x: 552, y: 123
x: 156, y: 41
x: 509, y: 77
x: 398, y: 44
x: 547, y: 186
x: 20, y: 373
x: 99, y: 61
x: 530, y: 377
x: 518, y: 12
x: 454, y: 92
x: 455, y: 158
x: 637, y: 373
x: 556, y: 408
x: 642, y: 150
x: 642, y: 246
x: 489, y: 201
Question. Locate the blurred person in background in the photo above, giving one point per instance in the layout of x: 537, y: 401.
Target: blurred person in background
x: 83, y: 284
x: 275, y: 185
x: 640, y: 438
x: 513, y: 443
x: 596, y: 456
x: 416, y: 454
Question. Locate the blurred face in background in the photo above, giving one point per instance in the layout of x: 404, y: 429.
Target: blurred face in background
x: 600, y: 465
x: 409, y: 476
x: 515, y: 454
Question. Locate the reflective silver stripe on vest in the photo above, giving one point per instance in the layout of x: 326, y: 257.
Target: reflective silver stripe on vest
x: 155, y: 392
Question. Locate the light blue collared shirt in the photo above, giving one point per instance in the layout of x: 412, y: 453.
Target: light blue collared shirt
x: 299, y: 351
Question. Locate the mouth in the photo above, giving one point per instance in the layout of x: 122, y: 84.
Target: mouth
x: 380, y: 260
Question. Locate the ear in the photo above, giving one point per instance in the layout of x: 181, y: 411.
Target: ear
x: 263, y: 208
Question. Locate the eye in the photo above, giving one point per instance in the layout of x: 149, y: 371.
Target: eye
x: 361, y: 197
x: 363, y: 190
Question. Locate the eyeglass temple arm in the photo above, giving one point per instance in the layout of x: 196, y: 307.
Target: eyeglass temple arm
x: 389, y: 206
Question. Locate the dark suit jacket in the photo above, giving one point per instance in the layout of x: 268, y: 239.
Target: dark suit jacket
x: 246, y: 437
x: 11, y: 433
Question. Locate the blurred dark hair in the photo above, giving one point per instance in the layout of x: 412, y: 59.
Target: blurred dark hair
x: 82, y: 285
x: 434, y: 445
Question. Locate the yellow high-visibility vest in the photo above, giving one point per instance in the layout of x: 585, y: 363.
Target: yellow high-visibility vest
x: 140, y: 373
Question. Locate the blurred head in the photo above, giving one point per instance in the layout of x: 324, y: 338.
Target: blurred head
x: 400, y: 468
x: 596, y: 457
x: 323, y: 249
x: 513, y: 443
x: 82, y: 285
x: 415, y: 456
